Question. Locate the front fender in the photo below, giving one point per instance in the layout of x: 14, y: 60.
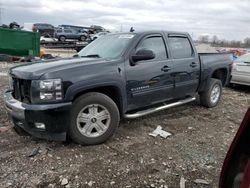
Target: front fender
x: 82, y: 86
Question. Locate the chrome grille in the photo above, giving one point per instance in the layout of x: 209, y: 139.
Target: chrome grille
x: 21, y: 90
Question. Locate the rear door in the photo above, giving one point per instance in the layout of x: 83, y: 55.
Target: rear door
x: 186, y: 65
x: 150, y: 81
x: 68, y: 34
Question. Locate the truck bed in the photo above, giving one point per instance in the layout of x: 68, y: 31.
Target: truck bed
x: 214, y: 61
x: 215, y: 57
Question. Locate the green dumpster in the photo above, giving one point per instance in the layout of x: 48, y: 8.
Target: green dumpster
x: 19, y: 43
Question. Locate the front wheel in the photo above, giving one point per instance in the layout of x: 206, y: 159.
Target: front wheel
x: 94, y: 119
x: 211, y: 97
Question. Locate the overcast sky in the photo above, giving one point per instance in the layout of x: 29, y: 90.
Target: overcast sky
x: 229, y: 19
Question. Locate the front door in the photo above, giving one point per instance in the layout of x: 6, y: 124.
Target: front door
x: 150, y: 81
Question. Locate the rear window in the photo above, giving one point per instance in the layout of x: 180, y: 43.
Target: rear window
x: 180, y: 47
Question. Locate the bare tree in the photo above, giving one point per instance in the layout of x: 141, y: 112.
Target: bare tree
x: 235, y: 43
x: 247, y: 42
x: 215, y: 39
x: 204, y: 38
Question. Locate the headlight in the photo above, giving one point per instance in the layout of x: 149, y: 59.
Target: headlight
x: 47, y: 90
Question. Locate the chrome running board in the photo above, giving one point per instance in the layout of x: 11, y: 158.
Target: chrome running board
x: 159, y: 108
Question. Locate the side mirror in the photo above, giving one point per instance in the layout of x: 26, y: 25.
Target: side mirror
x: 143, y: 54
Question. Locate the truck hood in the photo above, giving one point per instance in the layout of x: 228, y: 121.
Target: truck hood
x: 32, y: 71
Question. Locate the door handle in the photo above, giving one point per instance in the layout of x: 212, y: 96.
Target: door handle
x: 165, y: 68
x: 193, y: 64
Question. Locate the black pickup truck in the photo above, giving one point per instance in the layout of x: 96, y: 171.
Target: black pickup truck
x: 124, y: 75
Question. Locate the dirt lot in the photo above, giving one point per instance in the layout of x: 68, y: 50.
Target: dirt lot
x: 131, y: 158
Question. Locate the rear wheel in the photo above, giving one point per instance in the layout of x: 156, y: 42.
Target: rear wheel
x: 62, y: 38
x: 83, y: 38
x: 211, y: 97
x: 94, y: 119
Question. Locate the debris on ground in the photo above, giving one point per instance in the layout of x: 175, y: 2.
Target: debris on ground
x: 64, y: 181
x: 160, y: 132
x: 182, y: 182
x: 201, y: 181
x: 34, y: 152
x: 112, y: 182
x: 90, y: 183
x: 4, y: 129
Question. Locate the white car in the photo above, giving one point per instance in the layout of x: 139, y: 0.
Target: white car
x: 47, y: 39
x: 241, y: 70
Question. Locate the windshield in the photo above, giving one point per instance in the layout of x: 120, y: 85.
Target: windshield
x: 108, y: 46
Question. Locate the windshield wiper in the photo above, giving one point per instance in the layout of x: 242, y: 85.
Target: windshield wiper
x: 92, y: 55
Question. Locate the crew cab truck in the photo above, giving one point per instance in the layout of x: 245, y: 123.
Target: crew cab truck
x: 124, y: 75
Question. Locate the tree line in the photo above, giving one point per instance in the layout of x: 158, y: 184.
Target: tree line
x: 215, y: 41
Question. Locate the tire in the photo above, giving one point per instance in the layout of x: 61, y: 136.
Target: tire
x: 82, y: 38
x: 85, y: 132
x: 206, y: 98
x: 62, y: 38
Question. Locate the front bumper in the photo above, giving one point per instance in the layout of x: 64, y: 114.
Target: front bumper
x: 56, y: 117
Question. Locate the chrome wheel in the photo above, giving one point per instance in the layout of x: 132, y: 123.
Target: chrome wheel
x: 93, y: 120
x: 215, y: 94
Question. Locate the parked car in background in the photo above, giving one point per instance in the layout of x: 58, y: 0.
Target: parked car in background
x: 64, y: 34
x: 74, y: 27
x: 97, y: 35
x: 241, y: 70
x: 236, y: 168
x: 97, y: 28
x: 44, y: 29
x: 44, y: 39
x: 124, y: 75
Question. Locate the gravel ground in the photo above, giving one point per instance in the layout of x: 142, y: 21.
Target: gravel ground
x: 200, y: 139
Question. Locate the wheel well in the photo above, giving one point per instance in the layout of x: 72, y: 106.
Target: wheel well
x: 220, y: 74
x: 111, y: 91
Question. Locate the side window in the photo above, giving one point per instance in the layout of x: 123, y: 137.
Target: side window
x: 50, y: 26
x: 67, y: 31
x: 180, y: 47
x: 156, y: 44
x: 40, y: 26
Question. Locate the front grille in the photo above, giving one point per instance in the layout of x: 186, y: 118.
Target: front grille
x: 21, y: 90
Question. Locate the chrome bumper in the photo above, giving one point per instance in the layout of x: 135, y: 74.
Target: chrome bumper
x: 13, y: 106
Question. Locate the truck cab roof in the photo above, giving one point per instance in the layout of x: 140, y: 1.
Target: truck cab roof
x: 155, y: 31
